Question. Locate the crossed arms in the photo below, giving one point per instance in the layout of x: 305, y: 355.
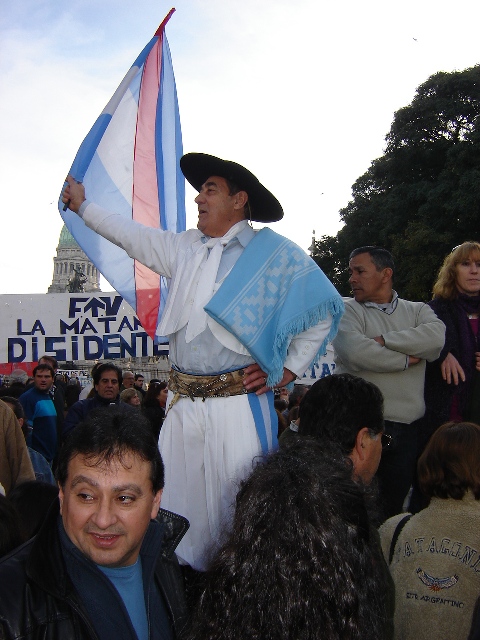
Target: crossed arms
x: 370, y: 340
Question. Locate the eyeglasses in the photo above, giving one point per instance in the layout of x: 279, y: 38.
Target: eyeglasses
x: 386, y: 440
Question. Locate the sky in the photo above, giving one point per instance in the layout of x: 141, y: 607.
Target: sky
x: 302, y: 93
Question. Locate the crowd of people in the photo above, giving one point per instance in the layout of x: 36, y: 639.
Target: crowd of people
x: 227, y: 504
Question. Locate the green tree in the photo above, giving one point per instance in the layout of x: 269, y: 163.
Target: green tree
x: 422, y: 197
x: 325, y: 252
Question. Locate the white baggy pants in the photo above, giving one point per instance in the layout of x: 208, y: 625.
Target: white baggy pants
x: 208, y: 448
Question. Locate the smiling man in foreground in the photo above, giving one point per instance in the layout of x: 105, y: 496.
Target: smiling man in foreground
x: 246, y: 311
x: 103, y: 564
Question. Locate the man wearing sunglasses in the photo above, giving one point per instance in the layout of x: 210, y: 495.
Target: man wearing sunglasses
x: 346, y: 413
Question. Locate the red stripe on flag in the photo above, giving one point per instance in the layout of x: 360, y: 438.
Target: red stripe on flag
x: 145, y: 205
x: 160, y: 29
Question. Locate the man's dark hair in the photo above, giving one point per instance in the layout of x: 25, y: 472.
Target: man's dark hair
x: 299, y: 561
x: 337, y: 407
x: 109, y: 434
x: 17, y: 408
x: 234, y: 188
x: 43, y: 367
x: 51, y: 361
x: 139, y: 375
x: 381, y: 258
x: 107, y: 366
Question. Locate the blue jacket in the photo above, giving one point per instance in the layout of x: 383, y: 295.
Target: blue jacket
x: 42, y: 418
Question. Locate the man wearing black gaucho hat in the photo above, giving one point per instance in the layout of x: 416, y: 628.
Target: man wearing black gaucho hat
x: 246, y: 311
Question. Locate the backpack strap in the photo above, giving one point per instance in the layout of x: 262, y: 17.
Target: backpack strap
x: 396, y: 533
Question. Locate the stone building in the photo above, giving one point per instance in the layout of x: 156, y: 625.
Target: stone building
x: 69, y: 257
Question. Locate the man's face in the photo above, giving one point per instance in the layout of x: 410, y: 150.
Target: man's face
x: 43, y: 380
x: 107, y: 386
x: 368, y: 284
x: 106, y: 508
x: 218, y: 211
x: 139, y: 383
x: 128, y: 380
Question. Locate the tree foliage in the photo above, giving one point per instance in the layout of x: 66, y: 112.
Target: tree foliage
x: 422, y: 197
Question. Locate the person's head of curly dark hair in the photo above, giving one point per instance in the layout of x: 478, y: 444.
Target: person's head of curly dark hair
x: 300, y: 561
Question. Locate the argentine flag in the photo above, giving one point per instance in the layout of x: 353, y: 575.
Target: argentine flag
x: 129, y: 164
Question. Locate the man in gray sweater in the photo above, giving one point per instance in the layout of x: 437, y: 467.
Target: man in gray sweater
x: 387, y: 341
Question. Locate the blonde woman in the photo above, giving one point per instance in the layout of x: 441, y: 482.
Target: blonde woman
x: 449, y: 381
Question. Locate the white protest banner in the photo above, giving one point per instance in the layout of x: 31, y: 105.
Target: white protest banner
x: 324, y: 367
x: 70, y: 327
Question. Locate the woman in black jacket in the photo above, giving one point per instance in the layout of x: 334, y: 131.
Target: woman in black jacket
x: 154, y: 404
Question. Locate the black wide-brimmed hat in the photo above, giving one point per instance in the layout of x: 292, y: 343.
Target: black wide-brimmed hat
x: 198, y: 167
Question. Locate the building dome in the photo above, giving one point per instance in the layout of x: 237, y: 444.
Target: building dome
x: 70, y: 259
x: 66, y: 239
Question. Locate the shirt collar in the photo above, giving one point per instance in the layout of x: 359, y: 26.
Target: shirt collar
x: 386, y: 307
x: 244, y: 234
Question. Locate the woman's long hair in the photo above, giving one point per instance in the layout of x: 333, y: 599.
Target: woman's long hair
x: 446, y: 283
x: 301, y: 561
x: 153, y: 391
x: 450, y: 464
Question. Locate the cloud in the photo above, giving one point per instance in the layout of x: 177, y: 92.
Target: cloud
x: 302, y: 94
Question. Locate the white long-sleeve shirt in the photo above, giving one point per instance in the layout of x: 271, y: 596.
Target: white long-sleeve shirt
x: 169, y: 254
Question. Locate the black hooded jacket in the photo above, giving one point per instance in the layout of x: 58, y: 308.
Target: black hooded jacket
x: 39, y: 602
